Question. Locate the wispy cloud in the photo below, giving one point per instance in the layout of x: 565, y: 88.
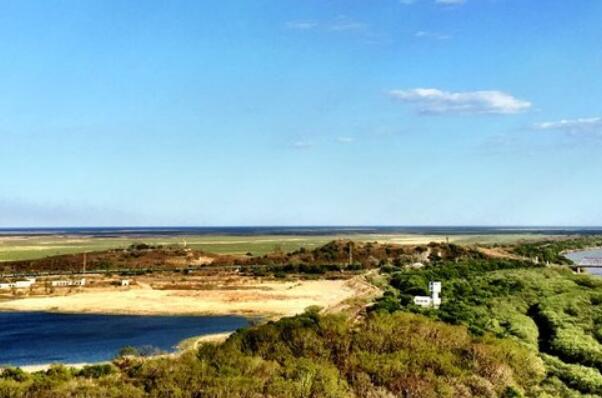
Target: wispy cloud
x: 450, y: 2
x: 301, y: 144
x: 422, y: 34
x: 345, y: 140
x: 434, y: 101
x: 341, y: 23
x: 344, y: 23
x: 573, y: 126
x: 301, y: 25
x: 439, y: 2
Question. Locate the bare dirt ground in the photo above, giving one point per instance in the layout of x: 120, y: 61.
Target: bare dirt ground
x: 217, y: 296
x: 498, y: 253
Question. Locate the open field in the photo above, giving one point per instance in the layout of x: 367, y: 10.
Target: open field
x: 32, y: 247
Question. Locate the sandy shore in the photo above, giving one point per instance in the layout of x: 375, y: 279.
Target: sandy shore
x: 261, y: 298
x: 46, y: 366
x: 188, y: 344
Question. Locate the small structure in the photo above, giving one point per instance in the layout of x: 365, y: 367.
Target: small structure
x: 68, y: 282
x: 587, y: 262
x: 17, y: 284
x: 434, y: 300
x: 125, y: 282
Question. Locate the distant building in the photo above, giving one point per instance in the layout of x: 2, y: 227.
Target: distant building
x: 125, y: 282
x: 18, y: 284
x: 434, y: 300
x: 423, y: 301
x: 68, y: 282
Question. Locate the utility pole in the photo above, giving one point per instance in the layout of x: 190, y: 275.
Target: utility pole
x: 350, y: 252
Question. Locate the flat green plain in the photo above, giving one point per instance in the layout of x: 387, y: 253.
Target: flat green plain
x: 32, y: 247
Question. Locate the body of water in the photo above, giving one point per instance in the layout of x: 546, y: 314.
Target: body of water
x: 580, y: 255
x: 30, y: 338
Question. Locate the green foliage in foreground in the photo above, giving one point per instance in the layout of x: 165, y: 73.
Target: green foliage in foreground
x: 312, y: 356
x: 555, y: 312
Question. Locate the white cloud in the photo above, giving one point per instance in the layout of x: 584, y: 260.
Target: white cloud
x: 450, y: 2
x: 440, y: 2
x: 344, y: 23
x: 345, y: 140
x: 302, y: 144
x: 301, y: 25
x: 573, y: 126
x: 434, y: 101
x: 341, y: 23
x: 422, y: 34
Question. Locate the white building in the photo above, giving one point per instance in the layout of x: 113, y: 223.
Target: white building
x: 19, y: 284
x: 69, y: 282
x: 434, y: 300
x: 125, y: 282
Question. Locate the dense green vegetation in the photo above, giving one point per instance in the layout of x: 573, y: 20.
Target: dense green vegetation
x: 312, y: 356
x: 551, y: 310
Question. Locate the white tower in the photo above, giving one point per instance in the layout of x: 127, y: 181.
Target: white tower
x: 435, y: 289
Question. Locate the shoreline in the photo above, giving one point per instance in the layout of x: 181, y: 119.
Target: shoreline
x: 564, y: 252
x: 43, y: 367
x: 191, y: 343
x: 253, y: 316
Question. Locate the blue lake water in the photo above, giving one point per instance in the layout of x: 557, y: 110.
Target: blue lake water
x: 578, y: 256
x: 29, y: 338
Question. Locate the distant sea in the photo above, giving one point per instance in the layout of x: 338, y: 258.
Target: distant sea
x: 299, y: 230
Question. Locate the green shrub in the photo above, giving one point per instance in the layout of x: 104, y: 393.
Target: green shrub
x: 16, y: 374
x: 96, y: 371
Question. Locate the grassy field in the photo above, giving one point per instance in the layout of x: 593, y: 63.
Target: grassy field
x: 32, y: 247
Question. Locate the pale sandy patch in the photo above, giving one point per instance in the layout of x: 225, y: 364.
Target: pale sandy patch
x: 260, y: 298
x: 45, y: 366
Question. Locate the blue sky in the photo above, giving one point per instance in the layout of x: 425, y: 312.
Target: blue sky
x: 290, y: 112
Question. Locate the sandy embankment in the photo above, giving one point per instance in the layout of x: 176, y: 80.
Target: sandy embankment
x: 267, y: 299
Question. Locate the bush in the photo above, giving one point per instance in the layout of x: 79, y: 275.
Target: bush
x: 96, y: 371
x: 128, y: 351
x: 16, y: 374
